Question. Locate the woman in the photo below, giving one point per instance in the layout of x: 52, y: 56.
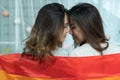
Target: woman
x: 48, y: 33
x: 87, y: 30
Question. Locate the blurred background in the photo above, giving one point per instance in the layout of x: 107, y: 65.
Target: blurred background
x: 18, y: 16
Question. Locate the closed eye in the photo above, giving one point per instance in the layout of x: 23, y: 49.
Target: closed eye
x: 66, y: 25
x: 72, y: 27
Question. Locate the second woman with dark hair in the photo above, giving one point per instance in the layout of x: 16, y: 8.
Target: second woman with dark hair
x: 87, y: 30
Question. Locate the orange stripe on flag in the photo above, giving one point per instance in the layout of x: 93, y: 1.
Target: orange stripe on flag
x: 6, y: 76
x: 107, y: 78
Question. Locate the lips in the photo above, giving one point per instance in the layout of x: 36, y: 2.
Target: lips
x: 64, y: 36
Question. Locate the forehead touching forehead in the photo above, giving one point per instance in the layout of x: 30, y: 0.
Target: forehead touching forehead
x: 72, y: 23
x: 66, y: 19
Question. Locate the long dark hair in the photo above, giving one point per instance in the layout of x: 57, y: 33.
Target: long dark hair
x: 46, y: 32
x: 88, y: 19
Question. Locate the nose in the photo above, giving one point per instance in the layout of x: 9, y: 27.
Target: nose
x: 70, y: 31
x: 66, y: 30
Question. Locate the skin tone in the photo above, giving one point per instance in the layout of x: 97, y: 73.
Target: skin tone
x: 76, y: 32
x: 65, y: 28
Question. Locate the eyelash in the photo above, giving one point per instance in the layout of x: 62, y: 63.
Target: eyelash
x: 66, y: 26
x: 73, y: 27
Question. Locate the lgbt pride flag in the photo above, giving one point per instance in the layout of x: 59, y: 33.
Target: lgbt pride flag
x: 106, y: 67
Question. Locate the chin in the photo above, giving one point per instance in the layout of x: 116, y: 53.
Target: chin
x: 62, y: 40
x: 76, y: 41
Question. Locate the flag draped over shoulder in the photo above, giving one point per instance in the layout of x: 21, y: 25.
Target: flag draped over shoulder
x: 106, y: 67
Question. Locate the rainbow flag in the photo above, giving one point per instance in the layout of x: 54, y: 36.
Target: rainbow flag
x: 106, y: 67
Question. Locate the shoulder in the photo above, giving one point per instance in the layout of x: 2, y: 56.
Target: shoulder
x: 114, y: 46
x: 60, y: 52
x: 112, y: 49
x: 84, y: 50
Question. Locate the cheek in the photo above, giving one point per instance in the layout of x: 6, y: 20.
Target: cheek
x: 73, y: 31
x: 65, y: 31
x: 81, y: 37
x: 63, y: 36
x: 78, y: 34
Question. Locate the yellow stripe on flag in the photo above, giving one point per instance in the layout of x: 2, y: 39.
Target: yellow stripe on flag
x: 6, y: 76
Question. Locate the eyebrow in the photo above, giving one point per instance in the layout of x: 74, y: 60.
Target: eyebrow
x: 66, y: 23
x: 71, y: 24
